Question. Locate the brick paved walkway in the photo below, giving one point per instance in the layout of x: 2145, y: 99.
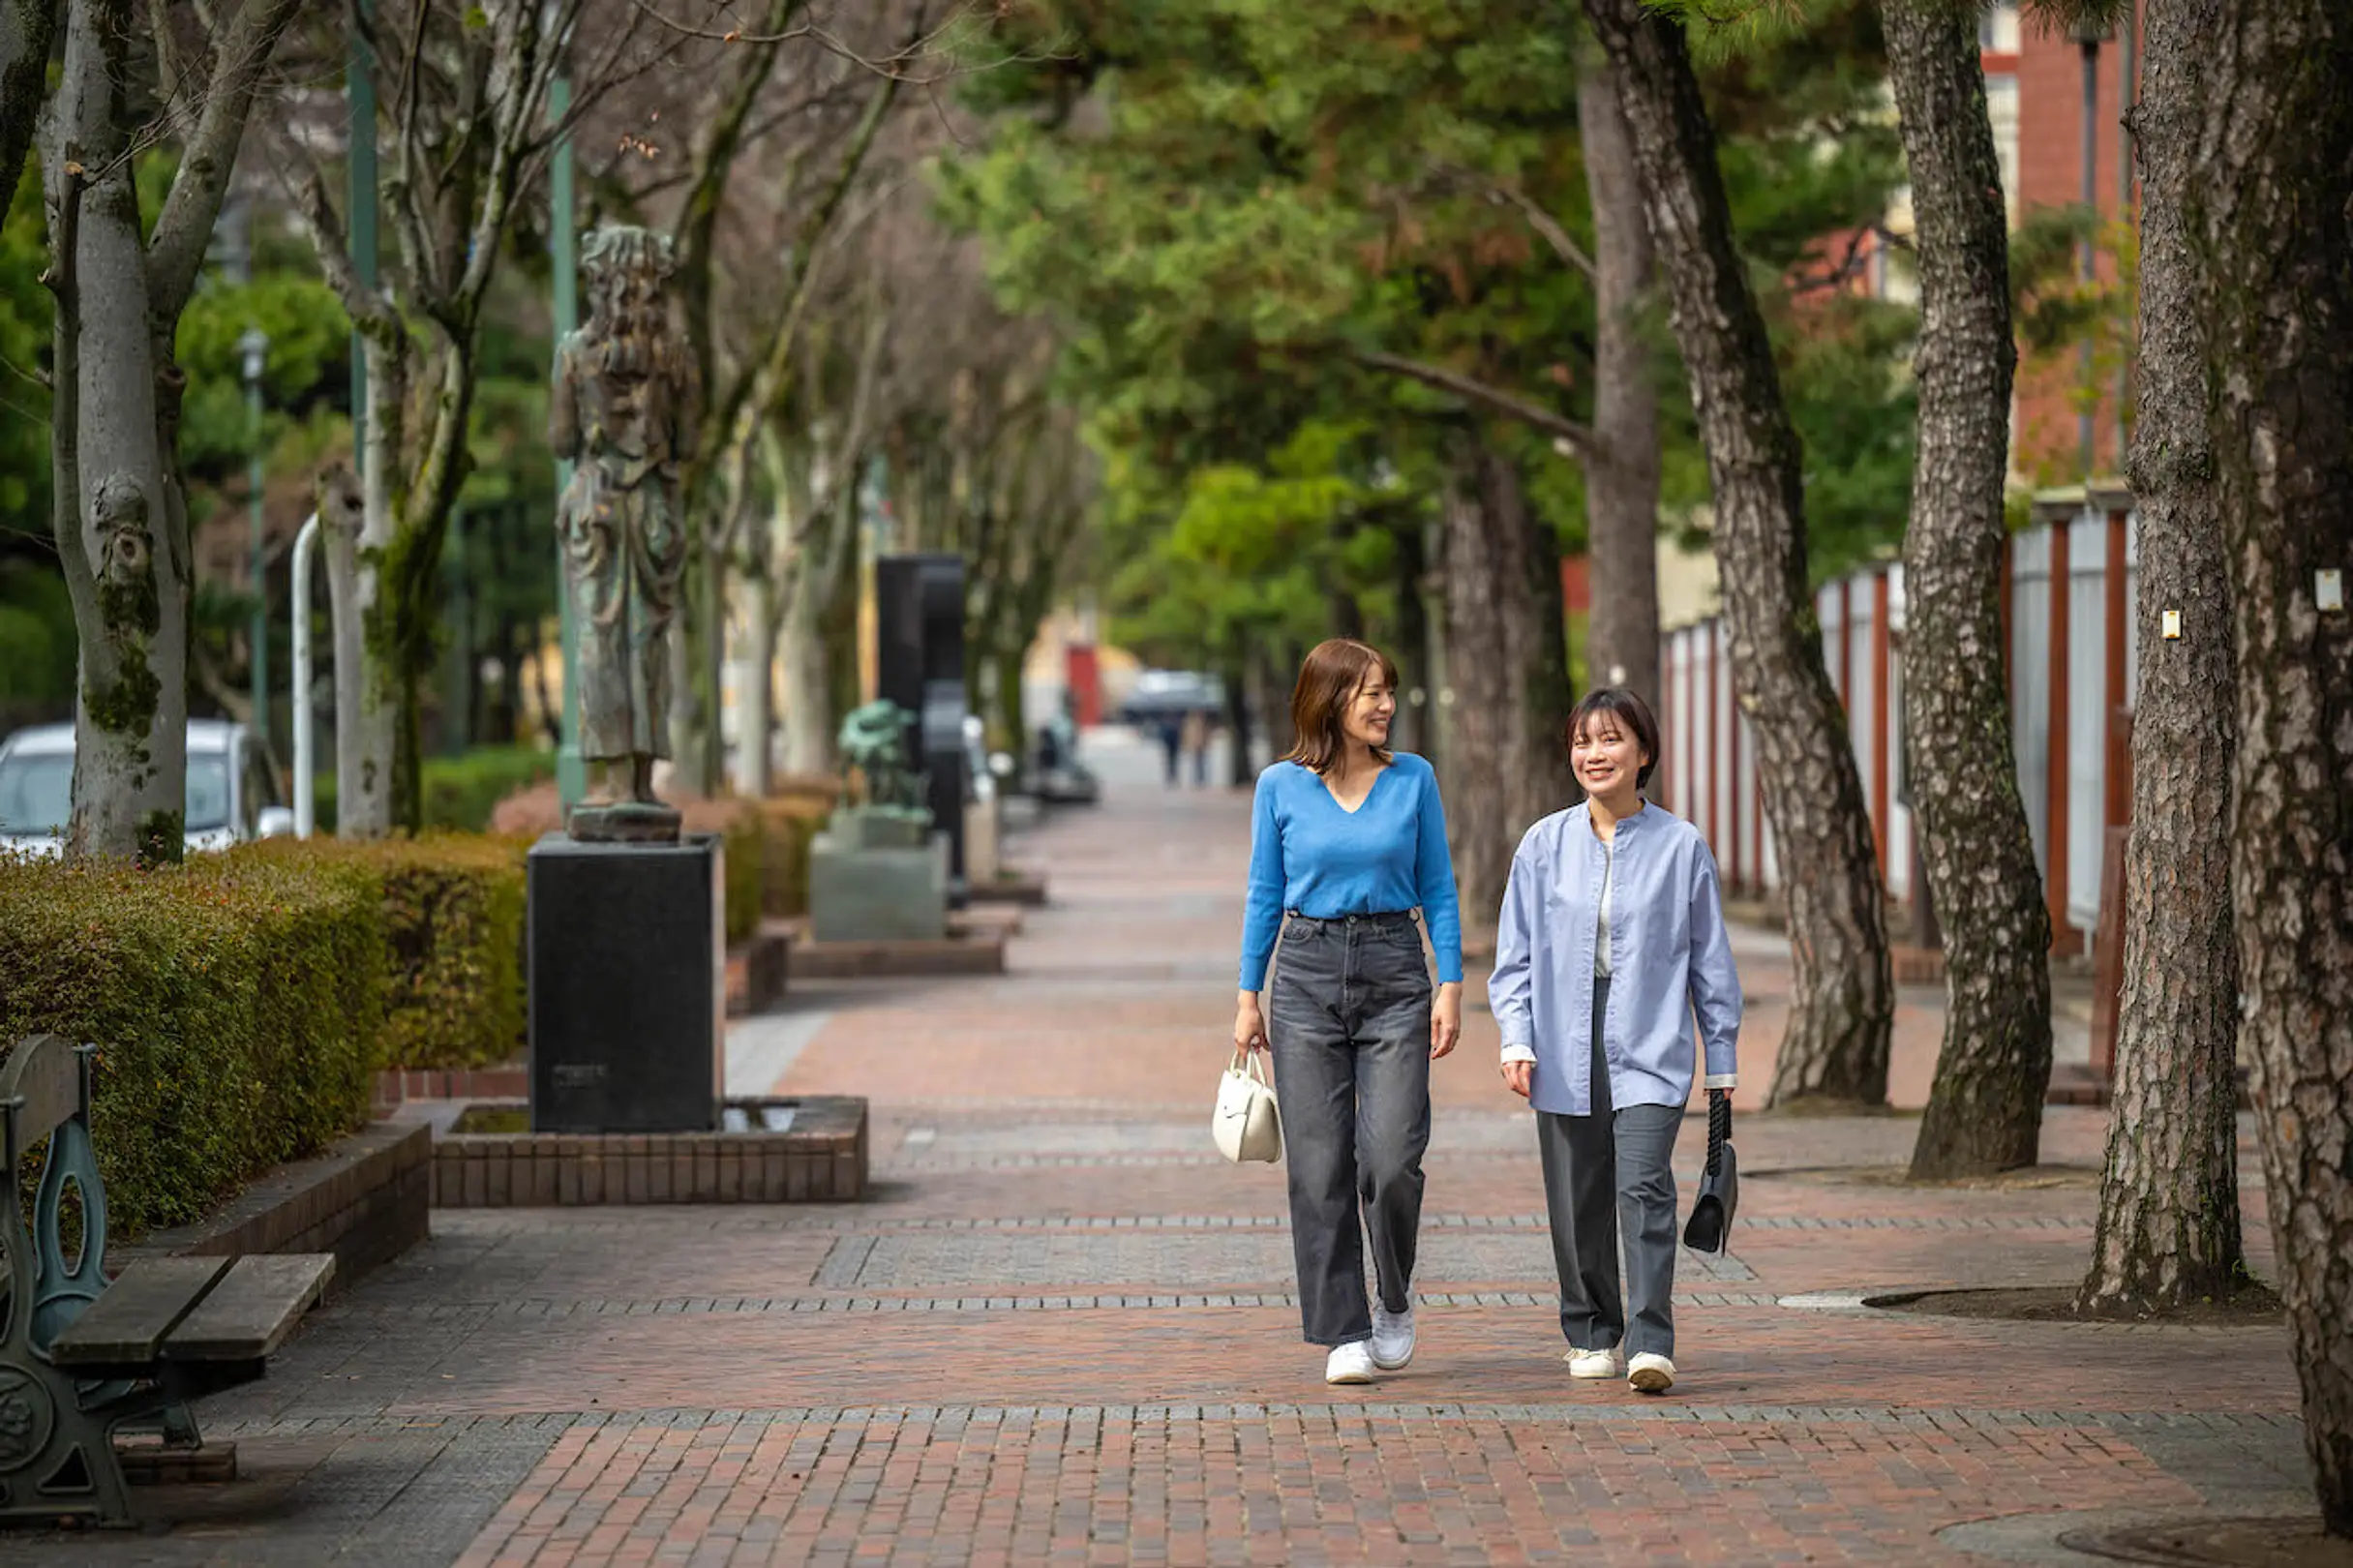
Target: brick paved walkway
x: 1062, y: 1330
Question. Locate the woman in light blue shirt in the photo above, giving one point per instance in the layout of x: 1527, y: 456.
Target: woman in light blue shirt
x: 1610, y: 942
x: 1348, y: 840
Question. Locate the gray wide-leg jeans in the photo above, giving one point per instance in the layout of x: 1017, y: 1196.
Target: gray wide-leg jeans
x: 1349, y: 1022
x: 1605, y: 1175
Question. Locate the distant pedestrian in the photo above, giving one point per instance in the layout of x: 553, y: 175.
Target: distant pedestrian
x: 1172, y: 744
x: 1347, y: 841
x: 1196, y: 744
x: 1611, y: 940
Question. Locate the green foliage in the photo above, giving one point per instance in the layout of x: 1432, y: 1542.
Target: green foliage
x: 235, y: 1004
x: 790, y: 826
x: 744, y: 852
x: 26, y: 317
x: 460, y: 792
x: 1226, y: 207
x: 305, y: 375
x: 450, y: 938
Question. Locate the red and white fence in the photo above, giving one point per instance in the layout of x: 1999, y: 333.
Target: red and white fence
x: 2067, y: 608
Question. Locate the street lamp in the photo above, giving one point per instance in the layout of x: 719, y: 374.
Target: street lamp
x: 253, y: 348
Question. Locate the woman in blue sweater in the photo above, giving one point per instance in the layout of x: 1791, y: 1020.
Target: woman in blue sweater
x: 1348, y: 840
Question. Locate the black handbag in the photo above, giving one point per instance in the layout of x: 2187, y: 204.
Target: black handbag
x: 1709, y: 1228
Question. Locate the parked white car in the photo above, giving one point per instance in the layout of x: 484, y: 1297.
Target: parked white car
x: 232, y: 796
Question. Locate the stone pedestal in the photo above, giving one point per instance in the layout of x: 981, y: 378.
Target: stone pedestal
x: 862, y: 892
x: 627, y: 967
x: 980, y: 844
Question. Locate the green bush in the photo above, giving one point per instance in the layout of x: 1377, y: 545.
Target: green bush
x: 452, y: 908
x: 744, y: 858
x: 792, y: 825
x: 235, y: 1005
x: 460, y: 793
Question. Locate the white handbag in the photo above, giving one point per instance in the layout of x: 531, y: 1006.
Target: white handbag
x: 1245, y: 1122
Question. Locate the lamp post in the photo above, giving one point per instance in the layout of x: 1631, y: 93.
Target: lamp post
x: 254, y: 350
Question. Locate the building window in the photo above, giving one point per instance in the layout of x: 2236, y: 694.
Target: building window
x: 1998, y: 30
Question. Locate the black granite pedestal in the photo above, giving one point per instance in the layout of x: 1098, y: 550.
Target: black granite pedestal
x: 628, y: 985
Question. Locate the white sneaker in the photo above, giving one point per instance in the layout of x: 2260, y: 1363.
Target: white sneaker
x: 1392, y: 1337
x: 1592, y: 1363
x: 1350, y: 1363
x: 1650, y: 1374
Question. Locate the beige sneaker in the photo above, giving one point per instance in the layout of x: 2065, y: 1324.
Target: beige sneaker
x: 1650, y: 1374
x: 1592, y: 1363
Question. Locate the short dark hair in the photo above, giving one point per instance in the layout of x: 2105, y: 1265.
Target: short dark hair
x: 1329, y: 679
x: 1629, y: 709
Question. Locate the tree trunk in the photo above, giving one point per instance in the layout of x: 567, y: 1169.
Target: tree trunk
x: 1622, y: 472
x: 1416, y: 721
x: 126, y: 566
x: 1842, y: 999
x: 26, y: 27
x: 2271, y: 212
x: 809, y: 686
x: 367, y: 687
x: 1985, y: 1109
x: 2169, y: 1198
x: 755, y: 685
x: 1507, y: 656
x: 1239, y: 771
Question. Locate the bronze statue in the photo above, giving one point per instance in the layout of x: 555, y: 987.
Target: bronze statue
x: 623, y: 408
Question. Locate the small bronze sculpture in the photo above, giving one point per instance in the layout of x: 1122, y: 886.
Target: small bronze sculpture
x: 622, y: 408
x: 873, y: 741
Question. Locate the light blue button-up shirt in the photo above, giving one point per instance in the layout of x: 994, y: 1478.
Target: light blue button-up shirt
x: 1670, y: 961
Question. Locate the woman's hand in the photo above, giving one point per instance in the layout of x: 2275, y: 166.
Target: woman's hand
x: 1250, y: 1024
x: 1445, y: 1019
x: 1520, y: 1078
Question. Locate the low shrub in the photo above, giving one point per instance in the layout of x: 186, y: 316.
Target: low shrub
x: 743, y: 857
x: 452, y: 932
x: 460, y: 793
x: 792, y: 824
x: 235, y: 1004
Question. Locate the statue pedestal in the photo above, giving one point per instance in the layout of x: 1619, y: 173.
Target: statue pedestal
x: 861, y: 890
x: 627, y: 968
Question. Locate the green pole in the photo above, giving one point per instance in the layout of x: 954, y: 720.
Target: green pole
x: 261, y: 598
x: 571, y: 773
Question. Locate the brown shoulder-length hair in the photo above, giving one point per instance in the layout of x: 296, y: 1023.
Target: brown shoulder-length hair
x: 1329, y: 679
x: 1630, y: 712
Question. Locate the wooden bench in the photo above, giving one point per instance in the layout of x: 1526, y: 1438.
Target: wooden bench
x: 84, y: 1358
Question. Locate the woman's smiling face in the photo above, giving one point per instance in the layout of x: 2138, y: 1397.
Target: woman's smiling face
x: 1369, y: 712
x: 1607, y: 757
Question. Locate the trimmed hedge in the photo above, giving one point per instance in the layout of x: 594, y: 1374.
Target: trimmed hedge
x: 236, y: 1006
x: 792, y: 824
x: 743, y: 859
x: 452, y: 914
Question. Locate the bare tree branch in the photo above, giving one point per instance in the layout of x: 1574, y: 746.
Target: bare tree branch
x: 1473, y: 390
x: 185, y: 226
x: 1542, y: 222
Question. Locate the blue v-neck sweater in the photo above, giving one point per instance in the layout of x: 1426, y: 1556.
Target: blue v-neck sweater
x: 1309, y: 854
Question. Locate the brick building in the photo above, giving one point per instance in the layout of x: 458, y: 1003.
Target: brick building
x: 2057, y: 104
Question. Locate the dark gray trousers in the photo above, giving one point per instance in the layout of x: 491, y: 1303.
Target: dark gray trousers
x: 1606, y: 1175
x: 1348, y: 1019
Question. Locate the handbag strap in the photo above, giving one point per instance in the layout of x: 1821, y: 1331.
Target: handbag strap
x: 1719, y: 1130
x: 1250, y: 1066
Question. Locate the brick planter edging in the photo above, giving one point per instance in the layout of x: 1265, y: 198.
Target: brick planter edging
x: 820, y: 1158
x: 367, y: 1199
x: 397, y: 1086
